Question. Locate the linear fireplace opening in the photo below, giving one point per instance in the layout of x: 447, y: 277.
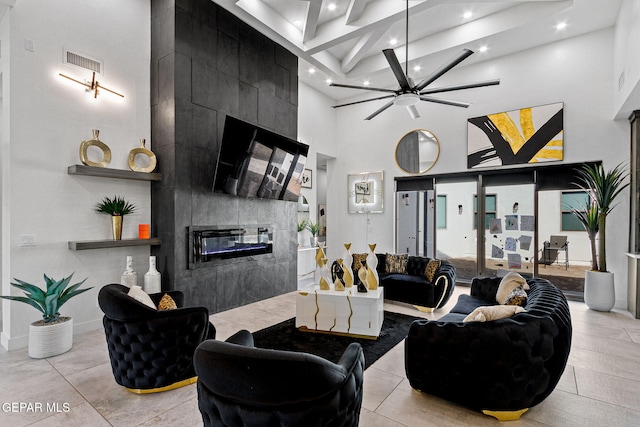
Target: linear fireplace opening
x: 225, y: 242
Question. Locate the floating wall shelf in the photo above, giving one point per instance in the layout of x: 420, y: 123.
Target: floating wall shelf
x: 103, y: 244
x: 113, y: 173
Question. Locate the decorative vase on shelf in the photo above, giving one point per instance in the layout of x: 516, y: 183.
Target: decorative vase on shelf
x: 116, y: 226
x: 95, y: 142
x: 152, y: 283
x: 129, y: 277
x: 372, y: 268
x: 142, y: 151
x: 347, y: 262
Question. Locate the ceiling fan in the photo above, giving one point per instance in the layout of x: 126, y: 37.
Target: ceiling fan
x: 409, y: 94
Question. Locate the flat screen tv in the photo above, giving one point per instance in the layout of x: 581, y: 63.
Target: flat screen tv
x: 255, y: 162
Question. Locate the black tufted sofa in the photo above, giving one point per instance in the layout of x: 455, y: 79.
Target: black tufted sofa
x: 414, y: 287
x: 151, y: 350
x: 506, y: 365
x: 240, y: 385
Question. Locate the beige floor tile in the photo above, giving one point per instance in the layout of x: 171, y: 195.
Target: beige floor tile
x: 564, y: 409
x: 378, y: 385
x: 35, y: 382
x: 598, y: 330
x: 121, y: 407
x: 79, y: 416
x: 605, y: 345
x: 89, y: 350
x: 634, y: 334
x: 224, y: 328
x: 618, y: 366
x: 371, y: 419
x: 618, y: 391
x: 568, y: 381
x: 393, y: 361
x: 186, y: 414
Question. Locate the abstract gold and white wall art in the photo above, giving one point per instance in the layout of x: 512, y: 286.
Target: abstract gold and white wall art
x: 527, y: 135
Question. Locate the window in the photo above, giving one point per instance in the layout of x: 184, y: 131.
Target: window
x: 490, y: 203
x: 441, y: 211
x: 572, y: 200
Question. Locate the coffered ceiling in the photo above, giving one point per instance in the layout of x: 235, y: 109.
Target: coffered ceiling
x: 342, y: 40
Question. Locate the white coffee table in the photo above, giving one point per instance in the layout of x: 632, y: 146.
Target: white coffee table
x: 346, y: 312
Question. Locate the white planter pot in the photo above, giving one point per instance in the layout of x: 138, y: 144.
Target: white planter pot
x: 599, y: 290
x: 50, y: 340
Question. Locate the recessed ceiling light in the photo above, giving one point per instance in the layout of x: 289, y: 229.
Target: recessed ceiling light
x: 468, y: 14
x: 417, y: 68
x: 312, y: 70
x: 561, y: 25
x: 366, y: 83
x: 331, y: 6
x: 393, y: 42
x: 328, y: 81
x: 483, y: 49
x: 297, y: 22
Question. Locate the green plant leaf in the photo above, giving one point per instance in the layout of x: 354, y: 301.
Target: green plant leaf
x: 26, y: 300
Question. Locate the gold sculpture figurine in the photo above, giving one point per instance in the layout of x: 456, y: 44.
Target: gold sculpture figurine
x: 95, y: 142
x: 142, y: 150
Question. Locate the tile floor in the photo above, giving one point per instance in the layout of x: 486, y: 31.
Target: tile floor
x: 600, y: 386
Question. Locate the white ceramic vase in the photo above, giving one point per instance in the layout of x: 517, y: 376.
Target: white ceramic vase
x: 599, y: 290
x: 50, y: 340
x: 152, y: 282
x: 129, y: 277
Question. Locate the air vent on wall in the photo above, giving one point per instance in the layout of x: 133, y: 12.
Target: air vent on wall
x: 83, y: 61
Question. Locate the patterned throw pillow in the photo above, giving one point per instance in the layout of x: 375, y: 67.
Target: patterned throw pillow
x: 167, y: 303
x: 518, y: 296
x: 396, y: 263
x: 431, y: 269
x: 357, y: 261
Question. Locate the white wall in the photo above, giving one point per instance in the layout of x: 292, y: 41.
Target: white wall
x: 576, y: 71
x: 626, y: 59
x: 49, y: 117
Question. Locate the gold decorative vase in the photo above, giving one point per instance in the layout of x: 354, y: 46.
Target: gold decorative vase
x: 95, y: 142
x: 116, y: 227
x: 142, y: 150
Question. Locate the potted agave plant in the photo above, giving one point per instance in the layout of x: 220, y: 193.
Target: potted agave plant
x: 117, y: 207
x: 603, y: 187
x: 53, y: 334
x: 314, y: 229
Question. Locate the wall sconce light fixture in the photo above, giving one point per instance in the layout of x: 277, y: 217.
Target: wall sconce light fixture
x: 459, y: 209
x: 515, y: 207
x: 92, y: 86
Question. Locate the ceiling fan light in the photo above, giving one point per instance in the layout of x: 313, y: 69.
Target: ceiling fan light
x: 406, y: 99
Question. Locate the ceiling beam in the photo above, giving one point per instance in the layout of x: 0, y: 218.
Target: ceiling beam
x: 354, y: 11
x: 361, y: 48
x: 311, y: 24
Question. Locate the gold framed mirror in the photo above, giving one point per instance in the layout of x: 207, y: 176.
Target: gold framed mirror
x: 417, y: 151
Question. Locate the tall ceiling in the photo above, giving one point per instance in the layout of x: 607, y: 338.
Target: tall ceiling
x: 342, y: 40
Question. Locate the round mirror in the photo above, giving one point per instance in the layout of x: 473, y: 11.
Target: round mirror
x: 417, y: 151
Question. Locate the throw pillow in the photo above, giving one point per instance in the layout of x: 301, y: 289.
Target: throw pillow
x: 167, y: 303
x: 431, y: 269
x: 508, y: 283
x: 518, y: 296
x: 493, y: 312
x: 396, y: 263
x: 357, y: 261
x: 139, y: 295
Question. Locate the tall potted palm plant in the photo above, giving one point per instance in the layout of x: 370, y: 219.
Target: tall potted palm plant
x: 603, y: 187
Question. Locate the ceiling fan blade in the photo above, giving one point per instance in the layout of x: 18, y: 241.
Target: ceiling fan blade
x: 459, y: 87
x: 445, y: 101
x: 392, y: 59
x: 446, y: 67
x: 379, y: 110
x: 377, y: 89
x: 413, y: 111
x: 364, y: 100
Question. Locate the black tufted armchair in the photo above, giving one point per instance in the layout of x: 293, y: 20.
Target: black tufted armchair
x: 151, y: 350
x: 240, y: 385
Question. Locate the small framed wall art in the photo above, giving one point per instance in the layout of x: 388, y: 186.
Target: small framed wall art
x: 365, y: 192
x: 307, y: 178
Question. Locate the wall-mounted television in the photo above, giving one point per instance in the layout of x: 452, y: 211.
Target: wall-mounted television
x: 254, y: 162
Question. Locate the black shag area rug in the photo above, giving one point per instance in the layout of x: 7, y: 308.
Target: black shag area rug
x: 285, y: 336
